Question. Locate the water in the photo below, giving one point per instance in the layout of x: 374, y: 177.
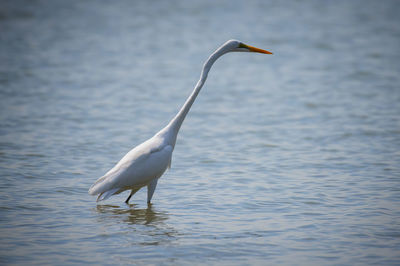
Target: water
x: 285, y: 159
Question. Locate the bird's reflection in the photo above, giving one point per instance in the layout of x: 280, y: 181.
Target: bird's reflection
x: 131, y: 226
x: 148, y: 225
x: 132, y: 215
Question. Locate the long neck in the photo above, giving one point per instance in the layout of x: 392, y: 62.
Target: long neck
x: 175, y: 124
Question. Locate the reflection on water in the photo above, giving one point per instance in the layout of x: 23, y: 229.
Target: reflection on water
x: 135, y: 227
x: 290, y: 159
x: 131, y: 215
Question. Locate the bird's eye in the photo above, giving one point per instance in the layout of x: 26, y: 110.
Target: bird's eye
x: 242, y: 45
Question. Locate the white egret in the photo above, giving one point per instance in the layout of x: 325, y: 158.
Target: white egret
x: 145, y: 163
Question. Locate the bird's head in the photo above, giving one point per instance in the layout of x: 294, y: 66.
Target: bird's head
x: 238, y: 46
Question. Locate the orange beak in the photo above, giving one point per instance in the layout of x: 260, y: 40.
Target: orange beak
x: 254, y: 49
x: 257, y: 50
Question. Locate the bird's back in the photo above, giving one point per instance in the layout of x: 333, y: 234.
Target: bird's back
x: 137, y: 168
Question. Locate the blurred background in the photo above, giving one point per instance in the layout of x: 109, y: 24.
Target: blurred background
x: 291, y: 158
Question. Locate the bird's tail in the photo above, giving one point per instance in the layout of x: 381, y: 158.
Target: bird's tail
x: 94, y: 189
x: 106, y: 194
x: 106, y: 186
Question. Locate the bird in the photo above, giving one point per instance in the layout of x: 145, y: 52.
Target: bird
x: 146, y: 163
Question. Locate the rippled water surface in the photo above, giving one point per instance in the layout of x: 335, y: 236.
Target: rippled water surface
x: 289, y: 159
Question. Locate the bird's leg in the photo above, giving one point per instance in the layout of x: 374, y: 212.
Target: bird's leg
x: 127, y: 200
x: 150, y: 189
x: 133, y: 191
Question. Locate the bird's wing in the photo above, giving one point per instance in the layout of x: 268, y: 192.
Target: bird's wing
x: 146, y: 168
x: 142, y: 161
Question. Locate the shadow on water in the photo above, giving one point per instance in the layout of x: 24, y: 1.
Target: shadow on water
x: 131, y: 215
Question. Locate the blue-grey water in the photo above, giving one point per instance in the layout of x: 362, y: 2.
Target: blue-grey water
x: 289, y: 159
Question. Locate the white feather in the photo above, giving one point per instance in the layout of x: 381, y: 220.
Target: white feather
x: 136, y: 169
x: 107, y: 194
x: 148, y: 161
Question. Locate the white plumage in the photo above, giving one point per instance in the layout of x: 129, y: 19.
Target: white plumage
x: 138, y: 168
x: 146, y: 163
